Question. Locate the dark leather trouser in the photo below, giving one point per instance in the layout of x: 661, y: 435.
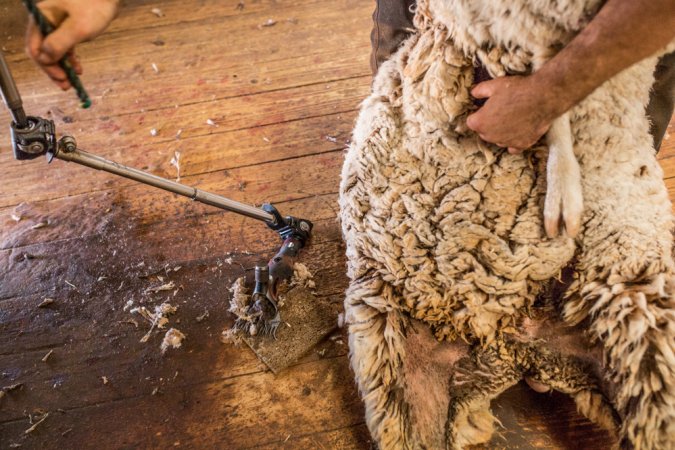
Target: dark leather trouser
x: 392, y: 23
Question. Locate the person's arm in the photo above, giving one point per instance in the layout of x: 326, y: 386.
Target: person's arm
x: 519, y: 110
x: 75, y: 21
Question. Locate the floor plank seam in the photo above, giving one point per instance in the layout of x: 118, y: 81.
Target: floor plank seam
x: 204, y: 21
x: 50, y: 289
x: 114, y: 34
x: 39, y: 351
x: 231, y: 97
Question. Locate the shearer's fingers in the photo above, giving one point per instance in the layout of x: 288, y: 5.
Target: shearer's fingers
x: 61, y: 41
x: 75, y: 62
x: 484, y: 89
x: 34, y: 41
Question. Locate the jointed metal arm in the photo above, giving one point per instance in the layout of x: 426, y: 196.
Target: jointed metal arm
x: 68, y: 151
x: 34, y: 136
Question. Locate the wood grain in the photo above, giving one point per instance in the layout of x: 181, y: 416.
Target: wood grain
x: 283, y: 99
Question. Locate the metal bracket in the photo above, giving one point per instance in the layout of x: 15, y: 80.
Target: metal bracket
x: 34, y: 140
x: 289, y: 226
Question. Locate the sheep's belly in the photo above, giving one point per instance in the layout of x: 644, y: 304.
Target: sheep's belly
x: 457, y: 230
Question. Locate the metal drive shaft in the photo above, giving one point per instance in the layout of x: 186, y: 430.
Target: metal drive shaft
x: 35, y: 136
x: 68, y: 151
x: 10, y: 94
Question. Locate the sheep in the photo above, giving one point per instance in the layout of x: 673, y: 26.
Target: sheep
x: 456, y: 293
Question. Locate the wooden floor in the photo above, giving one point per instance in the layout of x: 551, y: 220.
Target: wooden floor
x: 257, y: 113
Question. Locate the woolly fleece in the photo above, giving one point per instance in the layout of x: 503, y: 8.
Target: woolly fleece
x: 450, y: 268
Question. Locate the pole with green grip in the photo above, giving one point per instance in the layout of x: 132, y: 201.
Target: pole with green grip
x: 46, y: 28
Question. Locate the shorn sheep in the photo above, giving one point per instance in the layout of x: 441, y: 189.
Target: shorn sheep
x: 456, y: 293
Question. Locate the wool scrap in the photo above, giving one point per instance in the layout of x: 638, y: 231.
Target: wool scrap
x: 175, y: 161
x: 6, y: 389
x: 240, y: 299
x: 231, y: 336
x: 239, y: 305
x: 35, y: 425
x: 157, y: 319
x: 172, y: 339
x: 163, y: 287
x: 302, y: 276
x: 46, y: 302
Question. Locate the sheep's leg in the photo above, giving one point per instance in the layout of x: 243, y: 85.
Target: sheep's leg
x: 563, y: 177
x: 376, y: 334
x: 625, y: 288
x: 625, y: 284
x: 570, y: 375
x: 402, y: 371
x: 477, y: 380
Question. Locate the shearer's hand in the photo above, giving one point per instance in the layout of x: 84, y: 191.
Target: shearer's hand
x: 75, y: 21
x: 518, y: 111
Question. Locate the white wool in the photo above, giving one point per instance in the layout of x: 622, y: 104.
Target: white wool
x: 446, y: 229
x: 157, y: 319
x: 240, y: 299
x: 172, y: 339
x: 302, y: 276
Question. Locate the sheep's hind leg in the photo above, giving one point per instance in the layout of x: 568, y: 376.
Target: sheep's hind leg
x: 478, y: 379
x: 625, y: 284
x: 402, y: 371
x: 625, y: 290
x: 563, y: 181
x: 572, y: 376
x: 376, y: 353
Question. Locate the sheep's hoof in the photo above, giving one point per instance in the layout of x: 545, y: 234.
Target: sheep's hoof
x: 565, y: 204
x: 552, y: 225
x: 572, y: 223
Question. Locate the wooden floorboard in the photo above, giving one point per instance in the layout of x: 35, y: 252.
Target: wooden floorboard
x: 125, y: 136
x: 283, y: 99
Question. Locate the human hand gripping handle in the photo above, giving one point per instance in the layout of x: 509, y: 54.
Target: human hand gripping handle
x: 56, y: 27
x: 519, y: 110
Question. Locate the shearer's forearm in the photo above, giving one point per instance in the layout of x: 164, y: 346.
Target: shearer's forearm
x: 621, y: 34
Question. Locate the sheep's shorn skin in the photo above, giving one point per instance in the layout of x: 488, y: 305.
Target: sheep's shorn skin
x: 449, y: 302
